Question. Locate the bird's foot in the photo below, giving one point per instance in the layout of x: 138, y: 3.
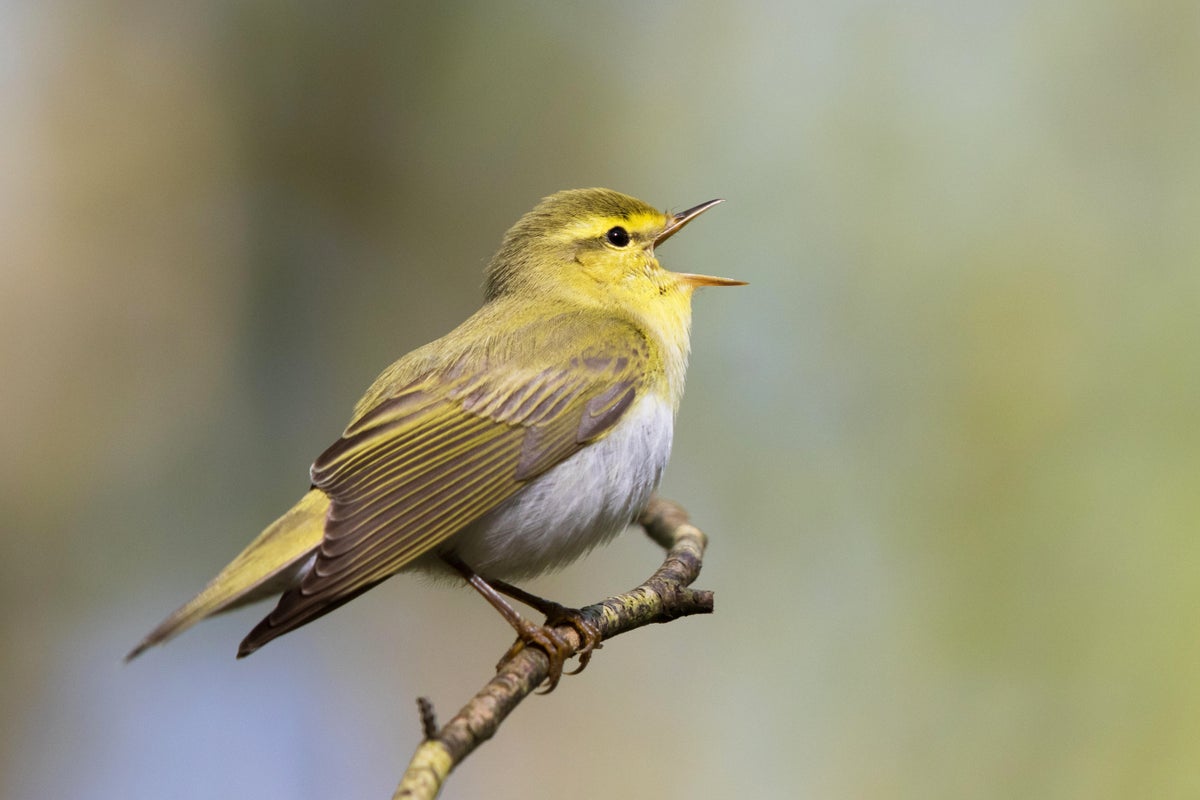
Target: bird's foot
x: 550, y: 642
x: 557, y: 614
x: 589, y: 633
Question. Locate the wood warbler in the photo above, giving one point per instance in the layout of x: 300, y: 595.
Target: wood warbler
x: 528, y: 435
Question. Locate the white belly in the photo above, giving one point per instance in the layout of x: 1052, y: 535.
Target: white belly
x: 583, y: 502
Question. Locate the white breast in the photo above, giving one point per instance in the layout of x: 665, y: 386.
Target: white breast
x: 583, y: 502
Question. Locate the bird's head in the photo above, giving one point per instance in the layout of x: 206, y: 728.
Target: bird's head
x: 595, y: 247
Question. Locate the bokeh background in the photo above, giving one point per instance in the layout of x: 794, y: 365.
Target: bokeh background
x: 946, y: 444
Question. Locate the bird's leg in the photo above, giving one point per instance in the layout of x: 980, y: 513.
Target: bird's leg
x: 543, y: 637
x: 557, y: 614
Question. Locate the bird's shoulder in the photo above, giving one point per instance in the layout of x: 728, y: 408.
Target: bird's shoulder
x: 506, y: 352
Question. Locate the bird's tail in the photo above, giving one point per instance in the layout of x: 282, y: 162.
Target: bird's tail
x: 268, y: 566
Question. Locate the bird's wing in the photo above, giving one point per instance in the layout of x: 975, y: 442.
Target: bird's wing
x: 440, y: 453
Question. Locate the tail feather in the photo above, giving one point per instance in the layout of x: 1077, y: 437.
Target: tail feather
x: 267, y: 567
x: 270, y: 628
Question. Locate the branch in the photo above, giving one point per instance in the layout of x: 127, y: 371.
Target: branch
x: 664, y: 596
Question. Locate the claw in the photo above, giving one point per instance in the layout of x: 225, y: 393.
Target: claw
x: 556, y: 648
x: 589, y: 634
x: 557, y: 614
x: 550, y: 642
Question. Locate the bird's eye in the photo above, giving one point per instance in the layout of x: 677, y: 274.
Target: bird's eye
x: 618, y: 236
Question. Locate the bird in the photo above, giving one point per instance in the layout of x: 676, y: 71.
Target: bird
x: 533, y: 432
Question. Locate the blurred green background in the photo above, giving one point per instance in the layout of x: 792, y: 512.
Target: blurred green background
x: 946, y: 444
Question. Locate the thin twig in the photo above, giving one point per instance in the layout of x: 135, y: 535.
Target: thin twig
x: 429, y: 726
x: 664, y: 596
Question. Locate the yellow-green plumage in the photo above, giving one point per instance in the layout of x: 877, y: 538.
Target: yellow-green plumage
x: 264, y: 569
x: 531, y: 432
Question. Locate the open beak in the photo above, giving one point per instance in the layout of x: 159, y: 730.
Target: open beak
x: 706, y: 280
x: 674, y: 225
x: 677, y: 221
